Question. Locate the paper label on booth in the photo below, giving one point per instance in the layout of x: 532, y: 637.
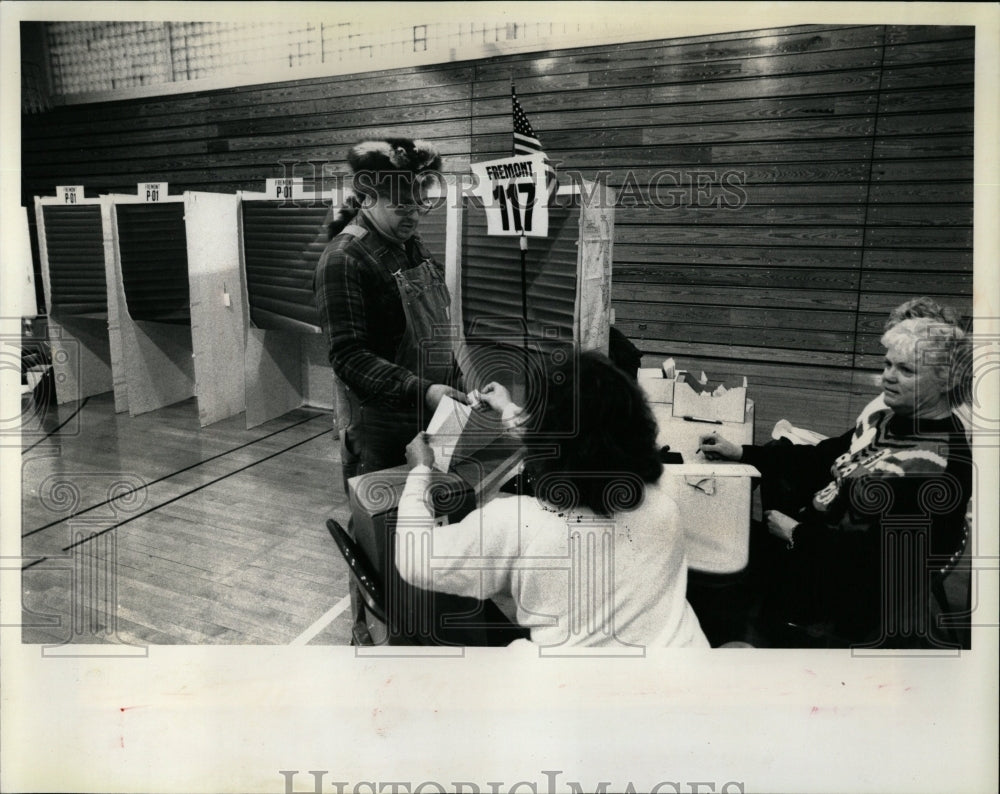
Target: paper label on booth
x: 514, y: 195
x: 288, y: 188
x: 69, y: 194
x: 152, y: 191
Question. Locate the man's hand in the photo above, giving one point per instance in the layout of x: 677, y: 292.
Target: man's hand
x: 438, y: 390
x: 418, y: 451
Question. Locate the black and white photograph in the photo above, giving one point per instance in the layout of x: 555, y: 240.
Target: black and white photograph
x: 499, y: 397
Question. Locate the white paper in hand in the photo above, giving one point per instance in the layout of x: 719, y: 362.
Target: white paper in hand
x: 445, y: 430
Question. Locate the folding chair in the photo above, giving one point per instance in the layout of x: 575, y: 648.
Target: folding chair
x: 363, y: 574
x: 956, y: 623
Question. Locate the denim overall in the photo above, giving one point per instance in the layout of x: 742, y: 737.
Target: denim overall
x: 375, y: 437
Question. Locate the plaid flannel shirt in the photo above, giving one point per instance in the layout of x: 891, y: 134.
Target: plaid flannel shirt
x: 362, y: 315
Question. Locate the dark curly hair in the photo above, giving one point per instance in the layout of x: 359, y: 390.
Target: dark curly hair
x: 592, y: 439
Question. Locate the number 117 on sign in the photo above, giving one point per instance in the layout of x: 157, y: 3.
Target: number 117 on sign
x: 514, y: 212
x: 514, y: 196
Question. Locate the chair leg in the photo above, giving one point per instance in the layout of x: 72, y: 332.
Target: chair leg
x: 955, y: 634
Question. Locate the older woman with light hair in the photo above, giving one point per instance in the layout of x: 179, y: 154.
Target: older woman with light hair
x: 888, y: 499
x: 924, y: 307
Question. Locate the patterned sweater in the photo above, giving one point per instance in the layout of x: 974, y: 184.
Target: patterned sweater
x: 888, y: 496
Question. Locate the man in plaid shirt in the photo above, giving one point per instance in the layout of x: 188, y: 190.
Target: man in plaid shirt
x: 381, y: 294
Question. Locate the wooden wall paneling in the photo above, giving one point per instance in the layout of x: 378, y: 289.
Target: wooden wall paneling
x: 926, y: 123
x: 639, y: 56
x: 159, y: 367
x: 920, y: 146
x: 664, y: 272
x: 919, y: 237
x: 904, y: 170
x: 925, y: 192
x: 303, y: 97
x: 911, y: 34
x: 79, y: 343
x: 900, y: 78
x: 919, y: 218
x: 959, y: 260
x: 835, y: 236
x: 218, y: 327
x: 914, y: 101
x: 709, y: 258
x: 743, y: 353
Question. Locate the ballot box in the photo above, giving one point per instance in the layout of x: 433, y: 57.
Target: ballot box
x: 417, y: 616
x: 713, y: 497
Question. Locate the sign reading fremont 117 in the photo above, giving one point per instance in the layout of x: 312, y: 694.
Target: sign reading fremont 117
x: 514, y: 195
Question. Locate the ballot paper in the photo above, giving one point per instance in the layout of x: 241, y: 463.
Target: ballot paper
x: 457, y: 432
x: 445, y: 430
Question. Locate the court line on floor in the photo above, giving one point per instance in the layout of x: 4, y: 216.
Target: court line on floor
x: 182, y: 496
x: 331, y: 615
x: 166, y: 476
x: 57, y: 429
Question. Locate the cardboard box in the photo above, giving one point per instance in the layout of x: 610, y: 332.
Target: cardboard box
x: 696, y: 400
x: 657, y: 388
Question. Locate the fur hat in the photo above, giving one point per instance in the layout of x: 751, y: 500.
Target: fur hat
x: 394, y: 154
x: 386, y: 157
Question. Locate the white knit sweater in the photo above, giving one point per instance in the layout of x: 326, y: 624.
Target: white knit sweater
x: 574, y: 579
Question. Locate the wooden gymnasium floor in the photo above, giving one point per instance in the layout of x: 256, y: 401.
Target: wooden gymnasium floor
x: 153, y: 530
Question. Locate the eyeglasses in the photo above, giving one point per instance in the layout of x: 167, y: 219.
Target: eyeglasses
x: 402, y: 210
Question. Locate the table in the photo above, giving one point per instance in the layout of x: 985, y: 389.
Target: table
x: 713, y: 497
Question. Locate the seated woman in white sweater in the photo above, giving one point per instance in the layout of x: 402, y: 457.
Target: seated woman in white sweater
x: 596, y: 556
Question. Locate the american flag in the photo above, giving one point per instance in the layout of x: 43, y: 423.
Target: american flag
x: 526, y: 142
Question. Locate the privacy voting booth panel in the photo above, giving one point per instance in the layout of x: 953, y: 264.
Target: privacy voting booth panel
x: 179, y: 301
x: 71, y: 244
x: 150, y: 255
x: 152, y: 242
x: 286, y: 363
x: 281, y: 246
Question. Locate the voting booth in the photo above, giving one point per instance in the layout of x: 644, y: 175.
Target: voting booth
x: 175, y: 289
x: 71, y: 247
x: 285, y: 362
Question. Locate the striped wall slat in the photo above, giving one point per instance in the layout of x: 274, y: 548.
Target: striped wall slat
x: 152, y: 242
x: 282, y: 244
x: 74, y: 240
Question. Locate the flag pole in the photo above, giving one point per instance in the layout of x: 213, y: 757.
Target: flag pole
x: 524, y: 286
x: 523, y: 242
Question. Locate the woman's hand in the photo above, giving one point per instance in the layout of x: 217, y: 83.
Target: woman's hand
x: 780, y: 525
x: 492, y: 395
x: 418, y: 451
x: 715, y: 447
